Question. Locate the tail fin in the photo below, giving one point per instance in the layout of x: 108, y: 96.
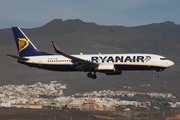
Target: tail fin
x: 24, y: 45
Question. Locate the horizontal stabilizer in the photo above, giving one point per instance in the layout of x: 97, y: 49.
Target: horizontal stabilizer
x: 17, y: 57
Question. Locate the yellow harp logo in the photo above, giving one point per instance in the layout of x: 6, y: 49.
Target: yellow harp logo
x: 23, y: 44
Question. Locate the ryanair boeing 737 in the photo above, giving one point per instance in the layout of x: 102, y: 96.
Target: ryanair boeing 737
x: 110, y: 64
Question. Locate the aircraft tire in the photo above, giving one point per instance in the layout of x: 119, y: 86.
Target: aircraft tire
x: 89, y: 75
x: 94, y: 76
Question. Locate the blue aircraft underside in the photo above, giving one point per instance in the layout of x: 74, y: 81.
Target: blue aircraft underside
x: 138, y: 67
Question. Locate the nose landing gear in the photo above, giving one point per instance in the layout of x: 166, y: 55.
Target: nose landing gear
x: 156, y: 74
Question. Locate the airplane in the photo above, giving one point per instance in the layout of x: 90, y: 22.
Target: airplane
x: 109, y: 64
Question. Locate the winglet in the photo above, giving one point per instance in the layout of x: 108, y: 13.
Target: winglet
x: 56, y: 48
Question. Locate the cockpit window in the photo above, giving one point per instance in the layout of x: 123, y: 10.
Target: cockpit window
x: 163, y: 58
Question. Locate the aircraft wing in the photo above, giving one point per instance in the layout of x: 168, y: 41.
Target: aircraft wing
x: 81, y: 63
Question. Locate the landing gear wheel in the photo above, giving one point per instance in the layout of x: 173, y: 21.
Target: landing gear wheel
x: 156, y: 74
x: 89, y: 75
x: 94, y: 76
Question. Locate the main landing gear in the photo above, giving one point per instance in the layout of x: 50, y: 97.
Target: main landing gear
x: 90, y: 75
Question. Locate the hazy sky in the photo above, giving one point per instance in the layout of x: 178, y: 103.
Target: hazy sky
x: 35, y: 13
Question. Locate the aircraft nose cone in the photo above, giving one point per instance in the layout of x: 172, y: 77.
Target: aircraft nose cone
x: 170, y: 63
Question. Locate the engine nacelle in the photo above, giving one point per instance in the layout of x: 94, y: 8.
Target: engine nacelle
x: 106, y: 68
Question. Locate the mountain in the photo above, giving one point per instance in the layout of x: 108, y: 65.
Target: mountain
x: 75, y: 36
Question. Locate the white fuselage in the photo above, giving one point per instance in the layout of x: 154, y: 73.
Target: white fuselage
x: 120, y: 61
